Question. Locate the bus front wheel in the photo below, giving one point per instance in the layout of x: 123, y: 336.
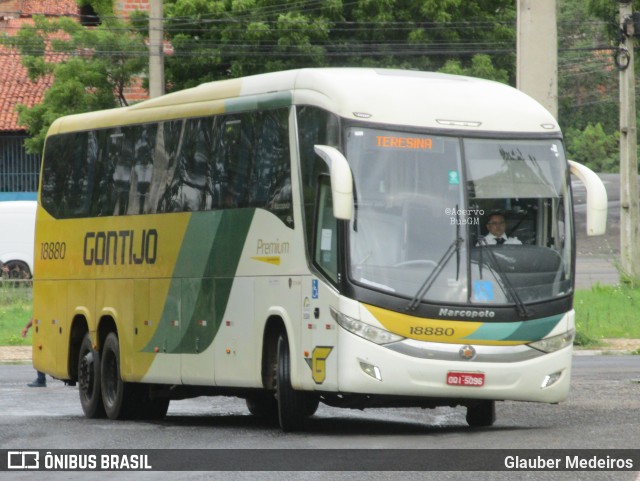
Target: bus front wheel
x: 149, y: 408
x: 263, y: 405
x: 118, y: 396
x: 89, y: 380
x: 293, y: 406
x: 481, y: 414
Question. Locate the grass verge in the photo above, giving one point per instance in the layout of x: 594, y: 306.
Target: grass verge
x: 607, y: 312
x: 601, y: 312
x: 15, y: 312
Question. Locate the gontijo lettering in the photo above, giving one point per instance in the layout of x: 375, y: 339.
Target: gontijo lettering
x: 392, y: 142
x: 120, y: 247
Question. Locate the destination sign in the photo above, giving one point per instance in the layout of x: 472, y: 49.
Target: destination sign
x: 409, y: 143
x: 394, y: 142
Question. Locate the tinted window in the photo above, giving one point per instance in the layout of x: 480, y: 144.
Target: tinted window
x: 239, y: 160
x: 315, y: 127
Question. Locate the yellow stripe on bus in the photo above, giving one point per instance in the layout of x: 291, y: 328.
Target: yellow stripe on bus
x: 433, y: 330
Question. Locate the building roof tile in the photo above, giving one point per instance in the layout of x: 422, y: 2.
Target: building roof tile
x: 15, y: 85
x: 16, y: 88
x: 49, y: 7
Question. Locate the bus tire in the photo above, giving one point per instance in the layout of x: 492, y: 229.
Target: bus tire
x: 312, y: 406
x: 150, y: 408
x: 156, y: 409
x: 293, y: 406
x: 263, y: 405
x: 118, y: 396
x: 89, y: 380
x: 481, y: 414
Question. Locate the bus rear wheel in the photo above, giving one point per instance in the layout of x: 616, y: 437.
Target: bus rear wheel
x: 118, y: 396
x: 481, y: 414
x: 89, y: 380
x: 293, y: 406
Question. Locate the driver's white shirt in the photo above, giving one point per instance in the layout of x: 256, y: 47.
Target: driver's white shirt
x: 490, y: 239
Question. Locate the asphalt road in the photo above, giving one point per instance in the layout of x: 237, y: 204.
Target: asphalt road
x: 601, y: 412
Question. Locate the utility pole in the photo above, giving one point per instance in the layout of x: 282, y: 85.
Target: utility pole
x: 629, y: 249
x: 156, y: 49
x: 537, y: 52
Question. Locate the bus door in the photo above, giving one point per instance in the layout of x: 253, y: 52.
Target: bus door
x: 319, y: 336
x: 319, y: 330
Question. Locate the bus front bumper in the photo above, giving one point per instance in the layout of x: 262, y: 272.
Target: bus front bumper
x: 494, y: 373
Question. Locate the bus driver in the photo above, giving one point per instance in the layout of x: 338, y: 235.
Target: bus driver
x: 496, y: 227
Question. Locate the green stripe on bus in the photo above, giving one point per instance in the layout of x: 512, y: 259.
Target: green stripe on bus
x: 202, y: 281
x: 532, y: 330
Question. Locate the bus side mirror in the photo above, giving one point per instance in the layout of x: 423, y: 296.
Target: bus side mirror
x: 596, y: 198
x: 341, y: 181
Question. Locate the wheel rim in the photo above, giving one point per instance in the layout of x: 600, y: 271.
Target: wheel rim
x: 85, y: 375
x: 17, y: 270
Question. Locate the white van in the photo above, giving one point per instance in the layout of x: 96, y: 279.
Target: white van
x: 17, y: 227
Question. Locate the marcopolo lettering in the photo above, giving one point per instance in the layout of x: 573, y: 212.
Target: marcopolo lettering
x: 469, y: 313
x: 120, y: 247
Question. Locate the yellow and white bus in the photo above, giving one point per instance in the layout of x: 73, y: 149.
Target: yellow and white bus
x: 309, y: 236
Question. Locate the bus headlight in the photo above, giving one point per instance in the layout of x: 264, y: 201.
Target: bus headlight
x: 555, y: 343
x: 366, y: 331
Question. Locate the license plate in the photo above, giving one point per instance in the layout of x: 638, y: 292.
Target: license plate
x: 469, y: 379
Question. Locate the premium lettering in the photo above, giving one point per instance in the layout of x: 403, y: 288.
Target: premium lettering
x: 272, y: 248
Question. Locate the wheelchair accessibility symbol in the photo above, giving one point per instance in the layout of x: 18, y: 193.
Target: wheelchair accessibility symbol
x: 482, y: 291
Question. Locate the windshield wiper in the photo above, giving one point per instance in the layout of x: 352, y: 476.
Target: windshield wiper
x: 506, y: 285
x: 428, y: 282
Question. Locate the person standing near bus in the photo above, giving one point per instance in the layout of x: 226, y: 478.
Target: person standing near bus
x: 41, y: 379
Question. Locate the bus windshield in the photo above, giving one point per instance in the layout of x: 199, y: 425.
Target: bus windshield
x: 423, y: 204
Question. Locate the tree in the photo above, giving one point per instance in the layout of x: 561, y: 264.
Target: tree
x: 214, y: 39
x: 593, y: 147
x: 588, y: 80
x: 481, y: 66
x: 91, y: 67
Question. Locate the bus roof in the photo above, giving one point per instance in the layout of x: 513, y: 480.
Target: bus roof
x: 385, y: 96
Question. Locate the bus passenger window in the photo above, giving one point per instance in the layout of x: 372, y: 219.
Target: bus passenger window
x: 270, y: 179
x: 144, y: 144
x: 164, y: 164
x: 192, y: 189
x: 120, y: 154
x: 237, y: 150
